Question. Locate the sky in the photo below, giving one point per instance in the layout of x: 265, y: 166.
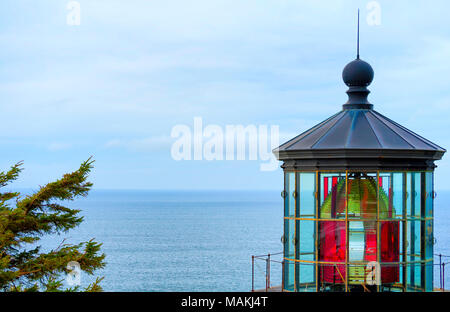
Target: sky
x: 114, y: 86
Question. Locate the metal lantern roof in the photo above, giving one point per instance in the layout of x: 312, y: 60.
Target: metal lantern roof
x: 358, y: 136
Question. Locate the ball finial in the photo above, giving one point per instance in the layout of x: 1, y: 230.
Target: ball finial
x: 358, y: 74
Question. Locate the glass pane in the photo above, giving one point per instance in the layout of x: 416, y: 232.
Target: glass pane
x: 414, y: 194
x: 409, y: 197
x: 385, y: 196
x: 414, y: 271
x: 413, y: 241
x: 390, y: 241
x: 362, y: 196
x: 332, y: 250
x: 403, y: 242
x: 289, y: 201
x: 332, y: 277
x: 332, y: 241
x: 391, y: 195
x: 414, y: 277
x: 396, y: 192
x: 391, y: 277
x: 417, y: 181
x: 429, y: 276
x: 306, y: 243
x: 429, y: 194
x: 306, y: 277
x: 362, y: 241
x: 332, y: 196
x: 289, y: 238
x: 358, y: 275
x: 429, y: 240
x: 289, y: 275
x: 307, y: 194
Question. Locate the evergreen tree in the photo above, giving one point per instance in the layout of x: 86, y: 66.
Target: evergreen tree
x: 25, y: 219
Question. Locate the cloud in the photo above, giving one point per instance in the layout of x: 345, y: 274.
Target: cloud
x: 118, y: 83
x: 157, y: 143
x: 59, y: 146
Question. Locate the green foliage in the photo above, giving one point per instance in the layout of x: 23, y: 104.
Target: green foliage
x: 24, y: 220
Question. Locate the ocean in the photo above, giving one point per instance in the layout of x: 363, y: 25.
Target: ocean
x: 193, y: 240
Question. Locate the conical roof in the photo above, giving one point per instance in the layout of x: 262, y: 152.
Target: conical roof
x: 359, y: 129
x: 358, y: 136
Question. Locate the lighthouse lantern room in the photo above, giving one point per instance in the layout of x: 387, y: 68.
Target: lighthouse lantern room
x: 358, y: 200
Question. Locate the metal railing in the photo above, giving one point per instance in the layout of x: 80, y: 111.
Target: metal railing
x: 267, y: 259
x: 442, y: 270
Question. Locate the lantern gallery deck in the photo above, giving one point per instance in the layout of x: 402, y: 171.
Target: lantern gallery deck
x: 358, y: 200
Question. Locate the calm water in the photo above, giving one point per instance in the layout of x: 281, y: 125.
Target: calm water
x: 193, y: 241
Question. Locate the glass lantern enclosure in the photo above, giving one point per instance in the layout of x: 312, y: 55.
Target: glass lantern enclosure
x: 358, y: 231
